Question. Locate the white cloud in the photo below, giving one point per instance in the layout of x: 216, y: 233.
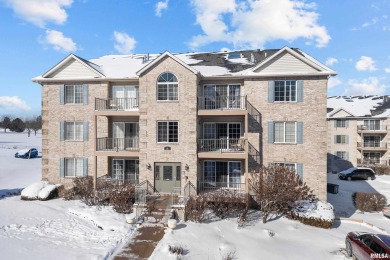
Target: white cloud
x: 161, y: 6
x: 251, y: 23
x: 40, y: 12
x: 14, y: 102
x: 333, y: 82
x: 59, y: 42
x: 365, y: 64
x: 368, y: 86
x: 387, y: 70
x: 331, y: 61
x: 124, y: 43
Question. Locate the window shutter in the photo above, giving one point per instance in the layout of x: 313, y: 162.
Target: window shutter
x: 270, y: 132
x: 335, y: 139
x: 62, y: 167
x: 85, y: 167
x: 271, y: 91
x: 300, y: 170
x: 85, y: 130
x: 62, y: 130
x: 346, y: 123
x: 62, y: 94
x: 299, y: 132
x: 347, y: 156
x: 346, y: 139
x: 300, y: 90
x: 335, y: 123
x: 85, y: 94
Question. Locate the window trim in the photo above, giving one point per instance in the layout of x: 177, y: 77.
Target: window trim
x: 74, y: 166
x: 345, y: 139
x: 178, y: 131
x: 344, y: 155
x: 341, y: 123
x: 286, y: 101
x: 74, y: 131
x: 167, y: 83
x: 74, y: 94
x: 284, y: 129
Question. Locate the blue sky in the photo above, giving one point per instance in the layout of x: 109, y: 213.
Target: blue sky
x: 350, y: 36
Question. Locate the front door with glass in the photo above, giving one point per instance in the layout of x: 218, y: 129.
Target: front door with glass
x: 125, y: 135
x: 125, y: 170
x: 167, y: 177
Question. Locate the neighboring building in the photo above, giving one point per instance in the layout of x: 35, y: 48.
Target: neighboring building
x: 358, y: 131
x: 174, y: 120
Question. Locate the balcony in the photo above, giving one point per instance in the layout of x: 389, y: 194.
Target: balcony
x: 113, y: 105
x: 370, y: 162
x: 372, y: 146
x: 222, y: 105
x: 372, y: 129
x: 117, y: 144
x: 222, y: 148
x: 211, y: 186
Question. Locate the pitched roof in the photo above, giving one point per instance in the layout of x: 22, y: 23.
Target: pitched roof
x: 359, y: 106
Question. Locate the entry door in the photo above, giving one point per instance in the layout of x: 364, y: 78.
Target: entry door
x: 125, y: 135
x: 167, y: 177
x: 234, y: 174
x: 126, y: 97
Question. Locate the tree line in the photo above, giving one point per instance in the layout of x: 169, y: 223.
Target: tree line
x: 18, y: 125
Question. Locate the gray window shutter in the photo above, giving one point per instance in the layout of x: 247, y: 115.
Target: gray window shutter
x: 85, y: 167
x: 346, y: 139
x: 62, y: 130
x: 62, y: 167
x: 299, y: 132
x: 300, y: 90
x: 347, y: 156
x: 85, y: 129
x: 335, y: 123
x: 300, y: 170
x: 271, y: 91
x: 85, y: 95
x: 270, y: 132
x: 346, y: 123
x: 335, y: 139
x: 62, y: 94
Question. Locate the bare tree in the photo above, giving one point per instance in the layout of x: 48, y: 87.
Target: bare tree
x: 276, y: 189
x: 6, y: 123
x: 37, y: 124
x: 28, y: 122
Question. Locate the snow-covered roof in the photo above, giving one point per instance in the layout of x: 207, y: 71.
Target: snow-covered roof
x: 208, y: 64
x: 359, y: 106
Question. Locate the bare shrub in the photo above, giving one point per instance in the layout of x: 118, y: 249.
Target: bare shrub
x: 315, y: 222
x: 121, y: 197
x: 151, y: 203
x: 195, y: 209
x: 381, y: 169
x: 231, y: 255
x: 83, y: 190
x: 175, y: 249
x: 369, y: 202
x: 275, y: 189
x: 225, y: 203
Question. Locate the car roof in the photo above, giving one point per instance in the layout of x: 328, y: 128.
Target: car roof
x: 385, y: 239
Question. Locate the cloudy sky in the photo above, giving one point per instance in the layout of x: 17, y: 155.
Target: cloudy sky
x: 350, y: 36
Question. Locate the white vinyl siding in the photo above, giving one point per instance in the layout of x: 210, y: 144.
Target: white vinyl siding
x: 73, y: 69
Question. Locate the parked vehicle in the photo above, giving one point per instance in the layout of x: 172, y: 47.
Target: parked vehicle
x: 362, y: 245
x: 27, y: 153
x: 386, y: 211
x: 357, y: 173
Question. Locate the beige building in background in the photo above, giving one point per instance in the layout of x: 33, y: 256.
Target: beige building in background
x: 358, y: 131
x: 173, y: 121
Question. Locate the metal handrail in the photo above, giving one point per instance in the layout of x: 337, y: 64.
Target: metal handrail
x: 372, y: 127
x: 222, y: 102
x: 209, y: 186
x: 117, y: 144
x: 372, y: 144
x: 223, y: 145
x: 116, y: 104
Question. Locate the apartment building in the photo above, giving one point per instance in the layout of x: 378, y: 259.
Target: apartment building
x: 172, y: 120
x: 358, y: 131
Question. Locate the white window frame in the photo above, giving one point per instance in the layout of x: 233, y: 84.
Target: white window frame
x: 77, y: 90
x: 342, y: 155
x: 166, y: 84
x: 75, y: 167
x: 341, y: 123
x: 167, y: 134
x: 342, y: 140
x: 71, y: 125
x: 284, y: 132
x: 286, y: 165
x: 285, y: 92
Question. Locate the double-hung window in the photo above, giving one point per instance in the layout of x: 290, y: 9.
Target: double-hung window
x: 341, y: 139
x: 286, y: 90
x: 168, y: 132
x: 342, y: 155
x: 285, y: 132
x: 74, y: 94
x: 74, y: 131
x: 74, y: 167
x: 167, y: 87
x: 341, y: 123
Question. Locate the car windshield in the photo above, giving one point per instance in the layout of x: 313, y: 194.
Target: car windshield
x: 385, y: 239
x: 348, y: 170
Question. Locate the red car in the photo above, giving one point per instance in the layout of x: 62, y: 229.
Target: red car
x: 362, y: 245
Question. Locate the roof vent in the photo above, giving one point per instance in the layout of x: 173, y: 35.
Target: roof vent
x: 253, y: 59
x: 145, y: 58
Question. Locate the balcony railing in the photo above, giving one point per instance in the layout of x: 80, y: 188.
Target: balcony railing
x: 371, y: 127
x: 369, y: 162
x: 222, y: 103
x: 210, y: 186
x: 118, y: 181
x: 117, y: 144
x: 372, y: 144
x: 116, y: 104
x: 222, y: 145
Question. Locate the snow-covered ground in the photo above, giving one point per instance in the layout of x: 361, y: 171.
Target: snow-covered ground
x: 70, y: 230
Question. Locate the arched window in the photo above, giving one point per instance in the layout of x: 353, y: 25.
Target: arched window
x: 167, y: 87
